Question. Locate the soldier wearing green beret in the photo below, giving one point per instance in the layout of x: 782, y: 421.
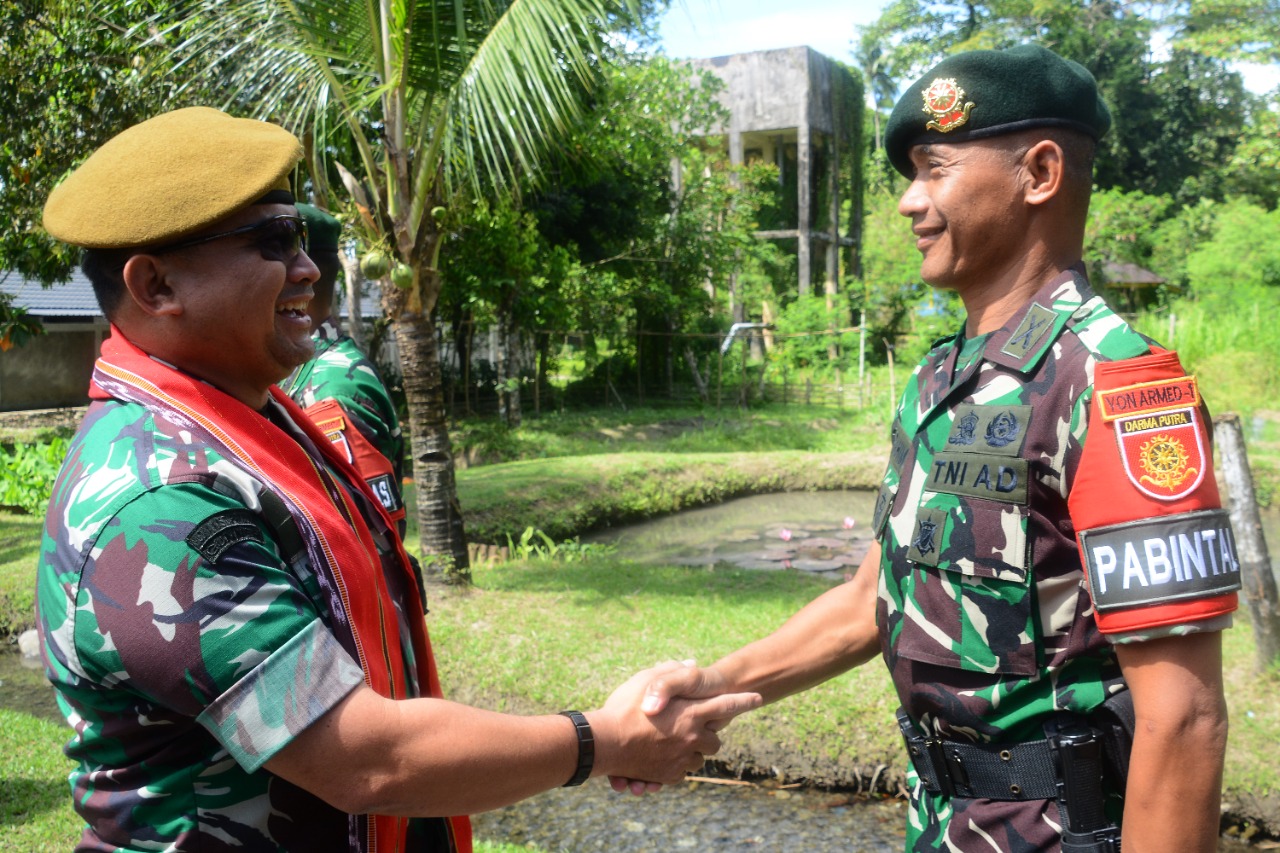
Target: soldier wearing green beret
x: 227, y: 613
x: 339, y: 387
x: 1053, y: 569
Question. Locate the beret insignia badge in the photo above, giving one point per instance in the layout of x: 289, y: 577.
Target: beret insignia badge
x: 944, y: 100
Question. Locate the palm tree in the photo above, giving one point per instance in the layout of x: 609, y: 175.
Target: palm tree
x: 410, y: 107
x: 874, y: 63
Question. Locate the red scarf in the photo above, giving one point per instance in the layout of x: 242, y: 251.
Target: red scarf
x: 337, y: 536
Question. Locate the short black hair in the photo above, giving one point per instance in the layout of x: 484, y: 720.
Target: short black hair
x: 1078, y: 153
x: 105, y: 270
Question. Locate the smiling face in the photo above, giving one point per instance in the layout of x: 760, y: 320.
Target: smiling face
x: 967, y: 211
x: 242, y: 321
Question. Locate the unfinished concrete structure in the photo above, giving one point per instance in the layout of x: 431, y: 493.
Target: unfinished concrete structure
x: 801, y: 111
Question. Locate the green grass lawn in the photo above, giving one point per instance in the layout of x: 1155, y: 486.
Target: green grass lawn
x: 19, y: 545
x: 537, y: 636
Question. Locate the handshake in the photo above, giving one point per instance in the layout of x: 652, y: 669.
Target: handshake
x: 662, y: 723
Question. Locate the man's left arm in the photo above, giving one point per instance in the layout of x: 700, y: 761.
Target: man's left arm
x: 1174, y: 791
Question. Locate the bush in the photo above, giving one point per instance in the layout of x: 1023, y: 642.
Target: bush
x: 27, y: 473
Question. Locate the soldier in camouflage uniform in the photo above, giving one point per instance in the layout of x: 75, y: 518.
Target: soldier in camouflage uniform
x: 1048, y: 531
x: 226, y: 611
x: 340, y: 372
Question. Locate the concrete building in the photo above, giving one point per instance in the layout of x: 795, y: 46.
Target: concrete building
x: 801, y: 111
x: 52, y: 370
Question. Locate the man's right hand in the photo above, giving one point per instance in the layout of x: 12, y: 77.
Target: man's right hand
x: 662, y: 723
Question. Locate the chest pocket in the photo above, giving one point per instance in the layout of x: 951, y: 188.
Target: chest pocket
x: 963, y: 589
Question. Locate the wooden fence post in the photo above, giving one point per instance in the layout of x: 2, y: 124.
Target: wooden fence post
x: 1258, y: 582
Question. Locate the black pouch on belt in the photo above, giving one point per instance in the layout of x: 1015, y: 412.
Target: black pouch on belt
x: 1114, y: 721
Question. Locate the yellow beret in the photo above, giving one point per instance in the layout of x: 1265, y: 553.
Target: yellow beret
x: 170, y: 176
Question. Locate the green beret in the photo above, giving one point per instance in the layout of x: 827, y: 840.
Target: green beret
x: 984, y: 93
x: 323, y: 230
x: 168, y: 177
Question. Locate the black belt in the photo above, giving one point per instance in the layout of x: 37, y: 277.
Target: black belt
x: 986, y: 771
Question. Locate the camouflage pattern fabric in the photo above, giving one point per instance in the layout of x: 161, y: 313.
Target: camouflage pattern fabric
x: 189, y: 640
x: 985, y: 621
x: 340, y: 371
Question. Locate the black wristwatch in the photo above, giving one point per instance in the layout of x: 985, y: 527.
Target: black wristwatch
x: 586, y: 748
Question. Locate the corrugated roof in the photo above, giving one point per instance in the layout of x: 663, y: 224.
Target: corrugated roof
x: 71, y: 299
x: 1121, y: 273
x: 75, y: 298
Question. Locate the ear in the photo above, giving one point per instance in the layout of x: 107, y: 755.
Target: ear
x: 1045, y: 167
x: 146, y: 279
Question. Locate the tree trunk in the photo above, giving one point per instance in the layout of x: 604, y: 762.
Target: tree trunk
x: 514, y: 413
x: 500, y: 352
x: 466, y: 365
x: 543, y: 342
x: 698, y: 381
x: 1258, y: 583
x: 353, y: 280
x: 440, y: 530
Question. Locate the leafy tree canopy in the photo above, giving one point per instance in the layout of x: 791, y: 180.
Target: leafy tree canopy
x: 70, y: 81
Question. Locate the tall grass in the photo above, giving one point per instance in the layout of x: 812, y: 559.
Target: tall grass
x: 1228, y: 340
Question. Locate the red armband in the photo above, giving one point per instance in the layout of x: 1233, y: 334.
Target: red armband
x: 375, y: 468
x: 1156, y: 545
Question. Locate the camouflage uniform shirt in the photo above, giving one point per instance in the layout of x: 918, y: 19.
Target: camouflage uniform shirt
x: 985, y: 620
x: 340, y: 371
x: 181, y: 674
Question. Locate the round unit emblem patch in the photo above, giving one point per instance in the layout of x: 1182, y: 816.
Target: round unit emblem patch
x: 1163, y: 454
x: 944, y: 100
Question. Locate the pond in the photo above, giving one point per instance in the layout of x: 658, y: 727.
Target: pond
x: 821, y: 533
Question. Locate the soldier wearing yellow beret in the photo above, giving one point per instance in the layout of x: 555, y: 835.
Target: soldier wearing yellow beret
x: 227, y: 612
x: 1060, y: 677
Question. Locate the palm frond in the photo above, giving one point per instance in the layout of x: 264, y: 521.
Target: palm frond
x: 434, y: 97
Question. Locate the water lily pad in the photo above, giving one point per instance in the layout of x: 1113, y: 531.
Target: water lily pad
x: 771, y: 554
x: 806, y: 565
x: 696, y: 560
x: 824, y: 542
x: 764, y: 565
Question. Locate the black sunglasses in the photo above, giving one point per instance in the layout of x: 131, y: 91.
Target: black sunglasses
x: 280, y: 238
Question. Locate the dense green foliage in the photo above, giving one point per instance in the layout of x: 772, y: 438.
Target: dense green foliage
x: 27, y: 472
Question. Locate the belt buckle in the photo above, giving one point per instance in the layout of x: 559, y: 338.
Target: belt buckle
x: 957, y: 773
x: 942, y: 765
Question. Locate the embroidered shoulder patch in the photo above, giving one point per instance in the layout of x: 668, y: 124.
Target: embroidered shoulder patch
x: 383, y: 488
x: 1148, y: 397
x: 213, y: 536
x: 1173, y: 558
x: 1161, y: 436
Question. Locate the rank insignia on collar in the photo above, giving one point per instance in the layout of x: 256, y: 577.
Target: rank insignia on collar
x: 944, y: 100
